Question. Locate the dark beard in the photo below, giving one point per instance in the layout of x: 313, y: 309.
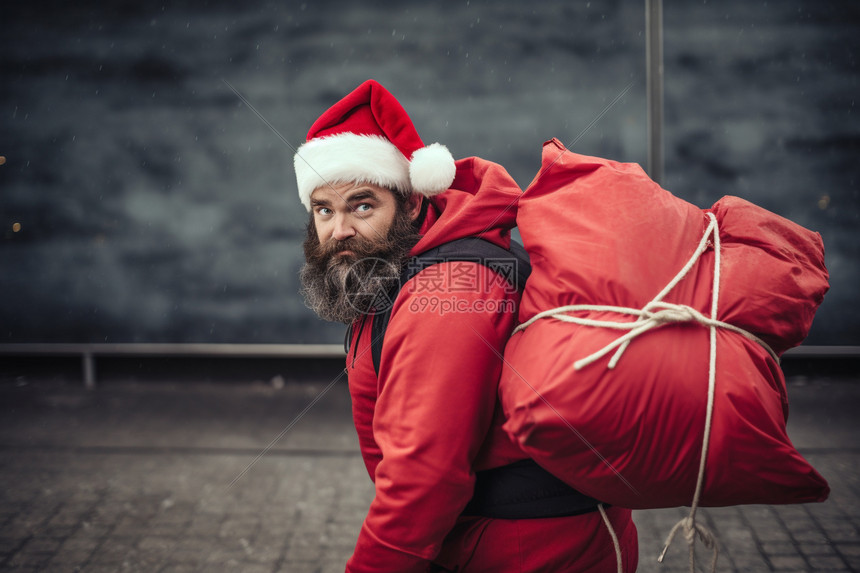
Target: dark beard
x: 342, y: 288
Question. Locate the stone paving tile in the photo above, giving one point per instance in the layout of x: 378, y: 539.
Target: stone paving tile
x: 312, y: 531
x: 67, y: 509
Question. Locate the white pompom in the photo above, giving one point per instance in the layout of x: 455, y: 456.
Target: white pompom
x: 432, y: 170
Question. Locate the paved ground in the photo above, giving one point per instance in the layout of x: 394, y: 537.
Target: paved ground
x: 154, y: 476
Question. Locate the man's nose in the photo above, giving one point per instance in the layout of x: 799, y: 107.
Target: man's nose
x: 343, y: 228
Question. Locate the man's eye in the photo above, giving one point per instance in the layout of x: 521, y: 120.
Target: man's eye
x: 363, y: 208
x: 324, y: 211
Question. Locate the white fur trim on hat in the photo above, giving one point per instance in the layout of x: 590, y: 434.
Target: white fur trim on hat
x: 350, y: 157
x: 432, y: 170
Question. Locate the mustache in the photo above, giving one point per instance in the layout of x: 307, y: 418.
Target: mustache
x: 360, y: 246
x: 344, y: 288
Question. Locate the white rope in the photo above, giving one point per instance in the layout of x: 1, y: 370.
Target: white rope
x: 618, y: 561
x: 655, y: 314
x: 692, y: 529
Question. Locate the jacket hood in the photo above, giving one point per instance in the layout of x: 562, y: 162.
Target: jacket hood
x: 482, y: 202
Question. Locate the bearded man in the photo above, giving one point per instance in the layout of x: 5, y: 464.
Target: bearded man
x: 350, y: 267
x: 453, y: 491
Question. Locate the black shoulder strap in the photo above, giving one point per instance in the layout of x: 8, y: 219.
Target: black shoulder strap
x: 512, y: 264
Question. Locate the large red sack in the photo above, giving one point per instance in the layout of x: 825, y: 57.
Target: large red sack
x: 602, y: 233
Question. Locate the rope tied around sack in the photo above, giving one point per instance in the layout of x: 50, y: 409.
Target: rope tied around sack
x: 653, y: 315
x: 693, y: 529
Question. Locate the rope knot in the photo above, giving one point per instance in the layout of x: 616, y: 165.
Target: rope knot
x: 692, y: 530
x: 689, y: 530
x: 673, y: 313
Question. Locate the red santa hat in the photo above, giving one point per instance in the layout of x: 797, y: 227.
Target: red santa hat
x: 367, y: 137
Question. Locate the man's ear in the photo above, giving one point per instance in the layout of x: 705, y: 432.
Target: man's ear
x: 413, y: 205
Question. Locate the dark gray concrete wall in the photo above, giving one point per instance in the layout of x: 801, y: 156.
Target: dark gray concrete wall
x: 140, y: 200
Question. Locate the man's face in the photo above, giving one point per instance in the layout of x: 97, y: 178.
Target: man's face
x: 353, y: 210
x: 358, y: 237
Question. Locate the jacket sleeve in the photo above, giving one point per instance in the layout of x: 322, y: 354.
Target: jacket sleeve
x: 438, y: 385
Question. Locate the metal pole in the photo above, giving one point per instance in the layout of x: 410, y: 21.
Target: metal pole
x: 89, y: 371
x: 654, y: 66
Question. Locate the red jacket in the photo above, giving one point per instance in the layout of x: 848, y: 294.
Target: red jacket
x: 432, y: 417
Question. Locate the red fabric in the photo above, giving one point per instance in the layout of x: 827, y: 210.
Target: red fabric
x: 601, y: 232
x: 433, y: 417
x: 369, y: 109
